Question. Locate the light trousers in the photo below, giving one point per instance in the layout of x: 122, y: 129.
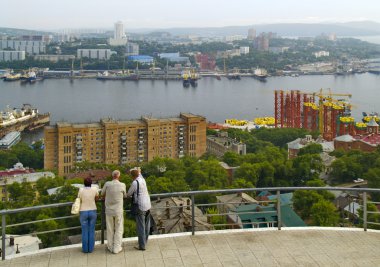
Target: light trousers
x: 115, y: 229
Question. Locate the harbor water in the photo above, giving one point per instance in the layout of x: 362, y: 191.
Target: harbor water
x: 88, y: 100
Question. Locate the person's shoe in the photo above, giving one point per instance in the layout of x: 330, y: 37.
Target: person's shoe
x: 117, y: 251
x: 138, y: 248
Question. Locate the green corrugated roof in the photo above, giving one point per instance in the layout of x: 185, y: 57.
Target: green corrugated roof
x: 264, y: 214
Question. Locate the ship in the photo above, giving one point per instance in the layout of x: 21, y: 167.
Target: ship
x: 233, y: 76
x: 260, y: 74
x: 30, y: 77
x: 117, y: 76
x: 185, y: 79
x: 194, y: 78
x: 19, y: 119
x: 12, y: 116
x: 12, y: 77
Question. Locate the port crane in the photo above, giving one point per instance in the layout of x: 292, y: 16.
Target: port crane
x: 322, y: 97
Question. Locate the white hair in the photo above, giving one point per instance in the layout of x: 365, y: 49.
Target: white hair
x: 115, y: 173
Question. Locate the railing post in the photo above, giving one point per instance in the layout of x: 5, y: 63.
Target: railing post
x: 3, y: 225
x: 365, y: 211
x: 278, y: 211
x: 192, y: 215
x: 103, y: 220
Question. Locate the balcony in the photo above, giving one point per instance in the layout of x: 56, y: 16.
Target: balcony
x: 273, y: 246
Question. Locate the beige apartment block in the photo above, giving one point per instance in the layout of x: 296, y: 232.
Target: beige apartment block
x: 121, y: 142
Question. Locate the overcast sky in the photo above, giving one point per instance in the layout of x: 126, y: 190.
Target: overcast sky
x: 52, y: 14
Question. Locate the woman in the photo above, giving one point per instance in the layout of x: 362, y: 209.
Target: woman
x: 87, y: 217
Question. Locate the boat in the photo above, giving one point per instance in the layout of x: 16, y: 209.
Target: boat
x: 12, y: 77
x: 185, y: 79
x: 10, y: 117
x: 117, y: 76
x: 260, y: 74
x: 194, y: 79
x: 30, y: 77
x: 233, y: 76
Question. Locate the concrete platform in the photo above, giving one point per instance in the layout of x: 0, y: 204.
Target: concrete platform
x: 256, y: 247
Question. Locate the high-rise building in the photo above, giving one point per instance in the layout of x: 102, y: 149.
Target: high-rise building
x: 119, y: 30
x: 121, y: 142
x: 251, y: 34
x: 102, y: 54
x: 120, y: 38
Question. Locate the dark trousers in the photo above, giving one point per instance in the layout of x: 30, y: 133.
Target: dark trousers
x: 143, y: 227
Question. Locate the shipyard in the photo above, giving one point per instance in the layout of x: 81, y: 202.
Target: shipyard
x: 22, y: 119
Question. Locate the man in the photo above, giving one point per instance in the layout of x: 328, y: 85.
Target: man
x: 114, y: 192
x: 139, y: 192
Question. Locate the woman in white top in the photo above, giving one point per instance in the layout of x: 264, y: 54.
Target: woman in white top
x: 88, y: 196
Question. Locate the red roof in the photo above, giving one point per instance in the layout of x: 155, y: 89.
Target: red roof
x: 15, y: 172
x: 373, y: 139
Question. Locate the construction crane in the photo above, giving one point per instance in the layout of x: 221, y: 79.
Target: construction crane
x: 322, y: 97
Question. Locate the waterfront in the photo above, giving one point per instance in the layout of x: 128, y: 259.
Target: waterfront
x: 88, y: 100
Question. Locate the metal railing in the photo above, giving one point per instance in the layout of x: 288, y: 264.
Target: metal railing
x: 193, y: 205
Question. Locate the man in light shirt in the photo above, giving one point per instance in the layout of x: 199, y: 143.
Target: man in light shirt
x: 114, y: 192
x: 139, y: 192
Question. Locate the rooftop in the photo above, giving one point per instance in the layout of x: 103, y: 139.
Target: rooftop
x: 254, y: 247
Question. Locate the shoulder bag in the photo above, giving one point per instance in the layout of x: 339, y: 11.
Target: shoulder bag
x: 75, y: 208
x: 135, y: 206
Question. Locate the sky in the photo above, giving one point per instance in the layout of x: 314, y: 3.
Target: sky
x: 137, y: 14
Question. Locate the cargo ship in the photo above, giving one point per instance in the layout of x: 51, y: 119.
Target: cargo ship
x: 20, y: 119
x: 260, y: 74
x: 117, y: 76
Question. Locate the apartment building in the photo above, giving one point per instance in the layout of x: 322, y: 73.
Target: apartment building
x: 121, y: 142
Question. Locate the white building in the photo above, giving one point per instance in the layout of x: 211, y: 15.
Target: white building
x: 102, y: 54
x: 120, y: 38
x: 321, y: 54
x: 30, y: 47
x: 12, y: 55
x: 119, y: 30
x: 54, y: 58
x: 244, y: 50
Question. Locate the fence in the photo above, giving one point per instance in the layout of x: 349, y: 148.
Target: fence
x: 192, y: 206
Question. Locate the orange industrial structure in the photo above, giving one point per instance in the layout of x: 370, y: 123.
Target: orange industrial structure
x: 296, y: 109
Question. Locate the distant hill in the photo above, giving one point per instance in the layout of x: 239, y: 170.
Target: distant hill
x: 283, y: 29
x: 16, y: 32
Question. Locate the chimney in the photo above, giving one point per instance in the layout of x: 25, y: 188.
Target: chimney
x: 11, y: 241
x: 167, y: 210
x: 181, y: 208
x: 188, y: 204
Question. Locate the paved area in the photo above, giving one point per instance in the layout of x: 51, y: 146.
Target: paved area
x: 314, y: 247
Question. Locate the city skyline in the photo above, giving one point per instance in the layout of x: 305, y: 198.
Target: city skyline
x: 169, y: 14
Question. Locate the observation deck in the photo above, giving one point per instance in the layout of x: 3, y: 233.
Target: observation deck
x: 304, y: 246
x: 251, y: 245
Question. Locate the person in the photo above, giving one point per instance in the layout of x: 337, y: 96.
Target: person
x: 139, y: 192
x: 114, y: 192
x: 87, y: 215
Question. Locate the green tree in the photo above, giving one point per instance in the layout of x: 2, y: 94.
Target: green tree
x: 323, y: 213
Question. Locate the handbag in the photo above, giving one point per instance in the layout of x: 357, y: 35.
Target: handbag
x: 134, y: 205
x: 76, y: 206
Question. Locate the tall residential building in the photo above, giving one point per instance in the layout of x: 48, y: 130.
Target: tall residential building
x: 131, y: 49
x: 251, y: 34
x: 120, y: 38
x: 119, y: 30
x: 30, y: 47
x: 121, y: 142
x: 12, y: 55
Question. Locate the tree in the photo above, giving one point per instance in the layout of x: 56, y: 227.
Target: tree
x: 232, y: 159
x: 323, y: 213
x: 303, y: 200
x: 311, y: 149
x: 249, y: 172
